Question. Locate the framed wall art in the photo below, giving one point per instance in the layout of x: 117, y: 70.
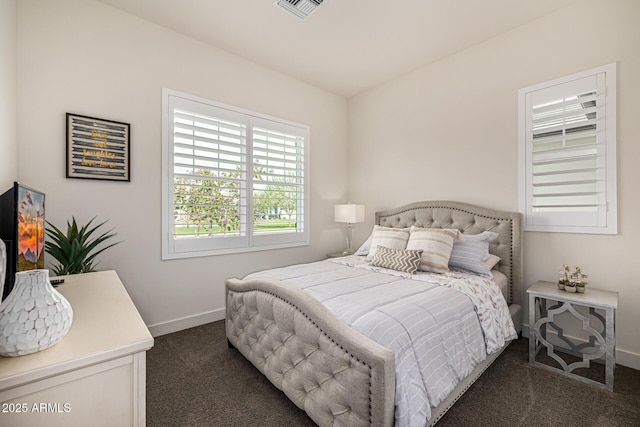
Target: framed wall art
x: 97, y: 148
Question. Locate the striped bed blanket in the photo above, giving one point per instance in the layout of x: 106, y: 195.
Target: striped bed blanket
x: 439, y: 326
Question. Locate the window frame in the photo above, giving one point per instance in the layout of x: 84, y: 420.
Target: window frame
x: 250, y: 242
x: 606, y: 157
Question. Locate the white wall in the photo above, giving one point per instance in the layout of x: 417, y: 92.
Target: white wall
x: 87, y: 58
x: 449, y: 131
x: 446, y: 131
x: 8, y: 139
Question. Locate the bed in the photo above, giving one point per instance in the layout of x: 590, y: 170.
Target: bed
x: 344, y: 375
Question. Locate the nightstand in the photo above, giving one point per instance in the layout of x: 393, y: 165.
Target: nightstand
x: 603, y: 342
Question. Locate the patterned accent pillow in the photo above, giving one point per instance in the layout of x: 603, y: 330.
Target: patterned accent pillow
x: 436, y: 245
x: 397, y: 259
x: 394, y: 238
x: 472, y: 253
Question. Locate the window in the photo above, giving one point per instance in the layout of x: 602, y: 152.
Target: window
x: 233, y: 180
x: 567, y: 139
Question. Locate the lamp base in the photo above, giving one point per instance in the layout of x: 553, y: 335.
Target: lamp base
x: 349, y: 250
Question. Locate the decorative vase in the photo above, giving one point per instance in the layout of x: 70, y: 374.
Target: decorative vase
x: 570, y: 288
x: 580, y: 289
x: 34, y: 316
x: 560, y: 285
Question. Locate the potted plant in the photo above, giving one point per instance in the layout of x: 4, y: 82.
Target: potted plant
x: 581, y: 280
x: 570, y: 286
x: 76, y: 250
x: 564, y: 277
x: 572, y: 281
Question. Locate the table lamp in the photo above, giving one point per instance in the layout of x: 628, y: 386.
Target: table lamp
x: 349, y: 214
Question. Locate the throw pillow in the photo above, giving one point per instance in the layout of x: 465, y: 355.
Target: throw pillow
x: 493, y: 261
x: 397, y: 259
x: 436, y: 245
x: 471, y: 253
x: 394, y: 238
x: 363, y: 250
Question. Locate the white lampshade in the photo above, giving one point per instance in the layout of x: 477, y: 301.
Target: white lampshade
x: 349, y: 213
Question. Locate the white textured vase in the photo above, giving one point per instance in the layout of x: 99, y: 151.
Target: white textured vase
x: 34, y: 316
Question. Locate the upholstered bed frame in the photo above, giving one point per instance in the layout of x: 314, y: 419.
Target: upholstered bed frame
x: 337, y: 375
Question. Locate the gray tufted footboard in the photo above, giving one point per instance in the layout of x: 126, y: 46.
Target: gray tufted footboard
x: 336, y: 375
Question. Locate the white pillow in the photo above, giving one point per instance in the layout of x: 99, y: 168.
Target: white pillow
x: 393, y: 238
x: 436, y: 245
x: 363, y: 250
x: 493, y: 261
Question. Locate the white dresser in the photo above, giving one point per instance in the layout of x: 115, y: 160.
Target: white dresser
x: 95, y: 376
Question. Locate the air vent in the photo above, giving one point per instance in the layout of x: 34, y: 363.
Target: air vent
x: 300, y: 8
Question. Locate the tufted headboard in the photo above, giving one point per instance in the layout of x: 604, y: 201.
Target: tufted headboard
x: 469, y: 219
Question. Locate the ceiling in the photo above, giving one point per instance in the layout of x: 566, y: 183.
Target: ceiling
x: 345, y: 46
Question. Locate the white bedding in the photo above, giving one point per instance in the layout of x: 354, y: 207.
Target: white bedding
x: 502, y: 282
x: 439, y: 326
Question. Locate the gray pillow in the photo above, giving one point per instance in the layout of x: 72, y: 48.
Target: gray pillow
x: 471, y: 253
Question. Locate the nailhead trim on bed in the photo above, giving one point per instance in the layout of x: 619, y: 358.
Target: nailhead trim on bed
x: 303, y: 320
x: 232, y: 333
x: 402, y: 218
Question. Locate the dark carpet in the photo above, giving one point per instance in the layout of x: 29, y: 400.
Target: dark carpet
x: 194, y: 379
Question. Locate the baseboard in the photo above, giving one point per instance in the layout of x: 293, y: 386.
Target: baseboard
x: 623, y: 357
x: 187, y: 322
x: 628, y: 359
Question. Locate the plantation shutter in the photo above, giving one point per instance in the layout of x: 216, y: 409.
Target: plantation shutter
x: 569, y: 157
x: 234, y: 181
x: 209, y: 177
x: 278, y: 185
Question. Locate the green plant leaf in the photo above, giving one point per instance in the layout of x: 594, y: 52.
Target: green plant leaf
x: 75, y: 251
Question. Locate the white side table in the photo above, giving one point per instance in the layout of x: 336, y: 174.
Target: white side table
x: 605, y: 341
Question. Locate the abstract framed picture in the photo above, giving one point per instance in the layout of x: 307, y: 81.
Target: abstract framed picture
x: 97, y: 148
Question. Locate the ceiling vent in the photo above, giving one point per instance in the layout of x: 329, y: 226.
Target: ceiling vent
x: 300, y: 8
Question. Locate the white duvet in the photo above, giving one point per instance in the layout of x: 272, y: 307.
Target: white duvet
x: 439, y: 326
